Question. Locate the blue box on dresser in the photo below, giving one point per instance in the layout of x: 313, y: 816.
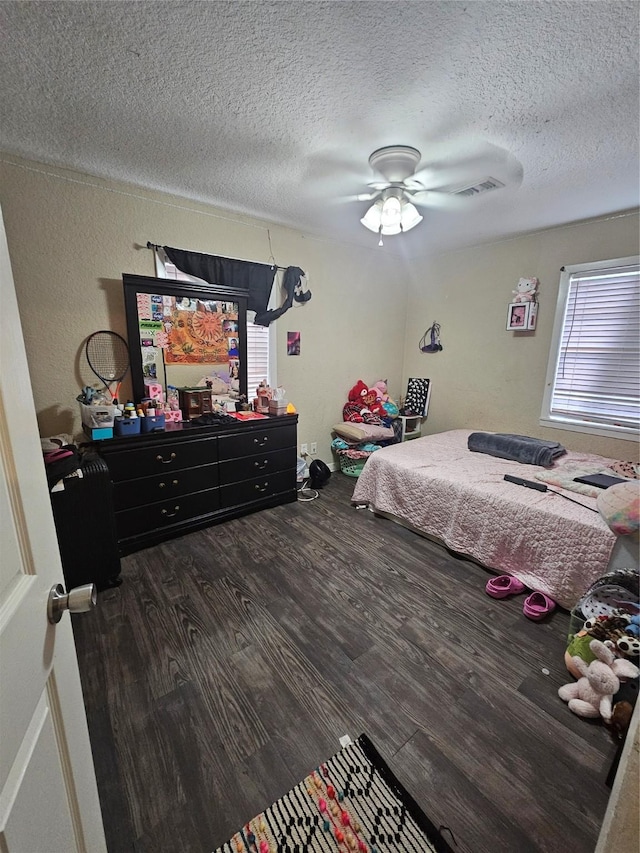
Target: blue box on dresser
x: 127, y: 426
x: 152, y: 423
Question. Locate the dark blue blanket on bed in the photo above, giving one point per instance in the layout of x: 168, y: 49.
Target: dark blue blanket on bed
x: 519, y: 448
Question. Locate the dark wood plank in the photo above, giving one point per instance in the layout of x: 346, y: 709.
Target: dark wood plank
x: 230, y: 661
x: 119, y: 830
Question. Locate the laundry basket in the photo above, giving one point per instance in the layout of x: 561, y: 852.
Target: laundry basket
x: 351, y: 467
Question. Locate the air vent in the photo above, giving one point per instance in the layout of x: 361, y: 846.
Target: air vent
x: 483, y: 186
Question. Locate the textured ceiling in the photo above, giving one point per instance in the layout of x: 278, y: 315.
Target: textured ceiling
x: 272, y: 108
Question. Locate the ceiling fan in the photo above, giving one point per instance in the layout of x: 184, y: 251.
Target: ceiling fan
x: 442, y: 183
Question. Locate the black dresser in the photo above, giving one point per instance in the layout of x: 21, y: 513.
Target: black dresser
x: 169, y: 483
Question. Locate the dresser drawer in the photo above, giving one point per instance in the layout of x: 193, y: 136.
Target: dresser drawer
x: 160, y: 458
x: 257, y: 489
x: 257, y: 441
x: 249, y: 467
x: 145, y: 519
x: 161, y: 487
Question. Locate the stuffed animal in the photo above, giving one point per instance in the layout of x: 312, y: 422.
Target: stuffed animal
x: 352, y: 409
x: 610, y: 630
x: 526, y: 292
x: 623, y: 704
x: 381, y: 389
x: 358, y: 410
x: 591, y: 696
x: 371, y: 402
x: 633, y: 627
x: 358, y: 391
x: 390, y: 408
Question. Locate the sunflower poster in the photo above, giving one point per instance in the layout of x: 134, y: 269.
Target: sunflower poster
x: 196, y: 331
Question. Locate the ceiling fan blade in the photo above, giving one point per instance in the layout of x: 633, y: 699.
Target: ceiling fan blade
x: 436, y: 199
x: 328, y: 173
x: 470, y: 164
x: 359, y: 197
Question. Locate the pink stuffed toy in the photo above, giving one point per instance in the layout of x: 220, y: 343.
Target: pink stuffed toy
x: 591, y: 695
x: 381, y: 389
x: 527, y: 290
x: 389, y: 408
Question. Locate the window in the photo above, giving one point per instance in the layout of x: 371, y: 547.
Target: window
x: 261, y: 343
x: 593, y: 378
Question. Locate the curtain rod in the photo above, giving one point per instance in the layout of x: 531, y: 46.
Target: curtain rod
x: 155, y: 246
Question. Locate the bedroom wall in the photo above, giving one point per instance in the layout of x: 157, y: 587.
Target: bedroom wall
x: 487, y: 378
x: 71, y: 237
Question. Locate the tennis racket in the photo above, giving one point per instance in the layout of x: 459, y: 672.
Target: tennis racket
x: 108, y: 357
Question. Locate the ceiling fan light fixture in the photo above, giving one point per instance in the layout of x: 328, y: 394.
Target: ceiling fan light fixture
x: 395, y: 162
x: 372, y: 218
x: 410, y: 216
x: 391, y: 214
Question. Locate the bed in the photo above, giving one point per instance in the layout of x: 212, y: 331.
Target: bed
x: 439, y: 488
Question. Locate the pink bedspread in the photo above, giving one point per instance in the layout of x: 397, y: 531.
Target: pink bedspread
x: 438, y: 486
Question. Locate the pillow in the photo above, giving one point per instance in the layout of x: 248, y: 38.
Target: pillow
x: 563, y: 477
x: 620, y: 507
x: 363, y: 432
x: 626, y: 469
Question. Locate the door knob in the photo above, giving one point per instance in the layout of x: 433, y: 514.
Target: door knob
x: 77, y: 600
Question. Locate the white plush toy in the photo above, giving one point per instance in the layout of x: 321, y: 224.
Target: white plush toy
x: 527, y: 290
x: 591, y: 695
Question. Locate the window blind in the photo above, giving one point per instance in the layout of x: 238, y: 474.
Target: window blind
x: 257, y: 355
x: 597, y: 377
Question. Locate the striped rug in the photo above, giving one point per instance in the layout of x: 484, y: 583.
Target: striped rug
x: 351, y: 803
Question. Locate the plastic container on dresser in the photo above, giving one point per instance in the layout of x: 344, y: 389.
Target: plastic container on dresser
x: 166, y: 484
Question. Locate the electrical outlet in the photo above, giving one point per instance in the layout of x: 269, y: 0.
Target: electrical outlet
x: 314, y: 447
x: 304, y: 450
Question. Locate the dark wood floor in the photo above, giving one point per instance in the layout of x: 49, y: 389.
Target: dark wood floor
x: 230, y: 661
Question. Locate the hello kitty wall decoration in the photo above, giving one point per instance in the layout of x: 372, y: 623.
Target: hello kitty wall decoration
x: 527, y: 290
x: 523, y: 309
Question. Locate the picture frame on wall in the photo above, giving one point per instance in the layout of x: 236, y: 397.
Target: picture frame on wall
x: 533, y: 314
x: 518, y: 317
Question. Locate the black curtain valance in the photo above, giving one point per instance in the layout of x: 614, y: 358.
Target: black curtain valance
x: 254, y: 277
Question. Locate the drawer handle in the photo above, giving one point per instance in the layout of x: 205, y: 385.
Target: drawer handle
x: 166, y: 461
x: 163, y: 485
x: 171, y: 514
x: 261, y: 465
x: 262, y: 488
x: 261, y: 441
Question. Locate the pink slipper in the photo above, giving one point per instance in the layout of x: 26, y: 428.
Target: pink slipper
x: 537, y: 605
x: 503, y: 585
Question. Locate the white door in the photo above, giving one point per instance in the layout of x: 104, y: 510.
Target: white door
x: 48, y: 794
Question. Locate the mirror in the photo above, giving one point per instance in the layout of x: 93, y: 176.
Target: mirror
x: 186, y: 335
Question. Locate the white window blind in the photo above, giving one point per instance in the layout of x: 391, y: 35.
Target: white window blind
x: 257, y: 355
x: 597, y: 375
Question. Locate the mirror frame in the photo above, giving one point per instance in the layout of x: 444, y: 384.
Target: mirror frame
x: 134, y: 284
